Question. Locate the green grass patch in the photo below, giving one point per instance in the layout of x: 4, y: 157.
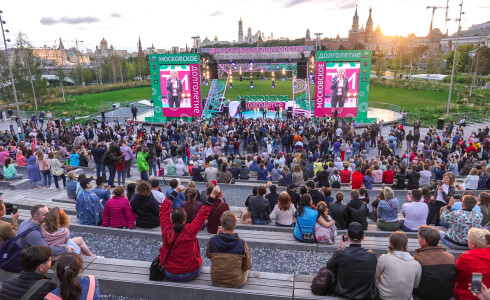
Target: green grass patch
x: 139, y: 93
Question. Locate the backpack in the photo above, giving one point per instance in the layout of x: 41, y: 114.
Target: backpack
x: 336, y: 183
x: 10, y: 253
x: 482, y: 183
x: 323, y: 282
x: 119, y: 165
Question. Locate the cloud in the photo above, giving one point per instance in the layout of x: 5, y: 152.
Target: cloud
x: 291, y: 3
x: 115, y: 15
x: 216, y: 13
x: 347, y: 5
x: 66, y: 20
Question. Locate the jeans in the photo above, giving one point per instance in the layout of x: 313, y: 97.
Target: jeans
x: 182, y: 277
x: 56, y: 178
x: 367, y: 147
x: 336, y: 154
x: 451, y: 244
x: 46, y: 179
x: 280, y: 225
x: 18, y: 176
x: 119, y: 174
x: 153, y: 168
x: 405, y: 228
x: 347, y: 155
x: 144, y: 175
x: 127, y: 167
x: 261, y: 222
x: 112, y: 176
x: 100, y: 171
x: 409, y: 145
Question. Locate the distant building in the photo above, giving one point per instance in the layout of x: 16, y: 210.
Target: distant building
x: 103, y: 49
x: 478, y: 35
x: 240, y: 31
x: 140, y: 48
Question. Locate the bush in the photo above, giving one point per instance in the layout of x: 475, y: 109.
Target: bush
x: 463, y: 79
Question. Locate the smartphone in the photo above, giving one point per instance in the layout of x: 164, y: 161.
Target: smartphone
x: 344, y: 238
x: 476, y: 279
x: 15, y: 209
x: 8, y: 208
x: 1, y: 194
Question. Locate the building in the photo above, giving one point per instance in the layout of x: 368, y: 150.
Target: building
x: 478, y: 35
x: 140, y: 48
x: 240, y: 31
x: 103, y: 49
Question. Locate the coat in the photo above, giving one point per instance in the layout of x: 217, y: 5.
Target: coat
x: 16, y: 286
x: 146, y: 210
x: 472, y: 261
x: 118, y: 213
x: 357, y: 180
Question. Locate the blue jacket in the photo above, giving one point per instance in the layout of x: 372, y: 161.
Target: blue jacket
x: 34, y: 238
x: 89, y: 208
x: 84, y: 283
x: 102, y: 194
x: 71, y: 188
x: 386, y: 213
x: 262, y: 174
x: 74, y: 161
x: 178, y: 200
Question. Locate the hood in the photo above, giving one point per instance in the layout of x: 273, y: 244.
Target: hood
x: 338, y: 159
x: 180, y: 161
x: 57, y: 235
x: 402, y: 255
x: 226, y: 241
x: 357, y: 173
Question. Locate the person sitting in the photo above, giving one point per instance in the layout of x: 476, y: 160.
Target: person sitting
x: 484, y: 204
x: 345, y: 174
x: 71, y: 185
x: 211, y: 173
x: 180, y: 168
x: 388, y: 175
x: 397, y: 273
x: 104, y: 193
x: 316, y: 196
x: 191, y: 205
x: 399, y: 179
x: 298, y: 176
x: 20, y: 159
x: 88, y: 206
x: 180, y: 257
x: 473, y: 261
x: 368, y: 180
x: 145, y: 206
x: 180, y: 197
x: 377, y: 174
x: 425, y: 176
x: 217, y: 209
x: 73, y: 286
x: 460, y: 222
x: 327, y: 196
x: 325, y: 235
x: 244, y: 171
x: 130, y: 191
x: 287, y: 177
x: 196, y: 172
x: 155, y: 190
x: 8, y: 230
x: 363, y: 195
x: 35, y: 261
x: 306, y: 218
x: 438, y: 266
x: 117, y: 211
x: 338, y: 211
x: 262, y: 173
x: 224, y: 175
x: 357, y: 210
x: 471, y: 181
x: 414, y: 211
x: 260, y: 207
x: 387, y: 212
x: 284, y: 211
x: 229, y: 255
x: 354, y: 267
x: 9, y: 171
x: 357, y: 179
x: 273, y: 196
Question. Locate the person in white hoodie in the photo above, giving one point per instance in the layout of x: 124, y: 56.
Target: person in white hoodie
x: 397, y: 273
x: 181, y: 168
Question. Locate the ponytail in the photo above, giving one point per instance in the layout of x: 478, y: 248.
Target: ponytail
x: 68, y: 267
x: 191, y: 195
x: 178, y: 218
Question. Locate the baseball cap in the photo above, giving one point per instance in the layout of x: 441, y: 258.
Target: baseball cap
x: 355, y: 231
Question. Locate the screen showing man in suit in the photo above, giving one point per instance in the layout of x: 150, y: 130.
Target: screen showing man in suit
x: 342, y: 84
x: 175, y: 86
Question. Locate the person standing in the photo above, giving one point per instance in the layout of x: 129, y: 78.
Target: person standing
x: 134, y: 111
x: 128, y: 157
x: 339, y: 87
x: 174, y: 89
x: 142, y: 164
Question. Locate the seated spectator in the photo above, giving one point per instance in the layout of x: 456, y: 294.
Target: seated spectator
x: 145, y: 206
x: 9, y: 171
x: 414, y: 211
x: 217, y: 209
x: 438, y: 266
x: 8, y: 230
x: 180, y: 168
x: 476, y: 260
x: 484, y: 204
x: 377, y: 174
x: 235, y: 171
x: 387, y: 211
x: 130, y: 191
x: 229, y: 255
x: 354, y: 267
x: 425, y: 176
x: 316, y: 196
x: 357, y: 179
x: 284, y: 211
x: 441, y: 193
x: 83, y: 160
x: 183, y: 261
x: 292, y: 192
x: 322, y: 177
x: 272, y: 196
x: 471, y: 181
x: 35, y: 261
x: 155, y: 190
x: 287, y: 177
x: 104, y: 193
x: 327, y: 196
x: 400, y: 177
x: 56, y: 233
x: 20, y: 159
x: 325, y: 234
x: 225, y: 175
x: 397, y: 273
x: 260, y: 207
x: 73, y: 286
x: 254, y: 193
x: 439, y: 171
x: 460, y: 222
x: 413, y: 178
x: 196, y: 172
x: 345, y: 174
x: 338, y: 211
x: 262, y: 173
x: 192, y: 185
x: 388, y: 175
x: 71, y: 185
x: 191, y: 205
x: 363, y: 195
x: 357, y: 210
x: 211, y: 173
x: 306, y: 218
x: 117, y: 211
x: 368, y: 179
x: 244, y: 171
x: 180, y: 197
x: 298, y: 176
x: 89, y: 207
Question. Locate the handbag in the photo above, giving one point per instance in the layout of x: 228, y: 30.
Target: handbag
x: 308, y: 237
x: 157, y: 273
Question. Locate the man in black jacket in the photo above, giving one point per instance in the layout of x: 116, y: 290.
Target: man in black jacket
x: 340, y: 87
x: 35, y: 261
x: 98, y: 151
x: 354, y: 267
x: 316, y: 196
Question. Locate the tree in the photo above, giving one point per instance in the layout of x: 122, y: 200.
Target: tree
x: 130, y: 71
x: 359, y: 46
x: 61, y: 76
x: 341, y: 47
x: 5, y: 87
x: 463, y: 60
x: 435, y: 64
x: 380, y: 67
x: 395, y: 66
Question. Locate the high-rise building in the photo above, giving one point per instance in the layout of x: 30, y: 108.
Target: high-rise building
x: 240, y: 31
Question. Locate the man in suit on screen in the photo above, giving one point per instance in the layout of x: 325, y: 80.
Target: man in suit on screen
x: 340, y: 87
x: 174, y: 89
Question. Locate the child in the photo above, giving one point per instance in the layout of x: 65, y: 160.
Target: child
x: 325, y: 235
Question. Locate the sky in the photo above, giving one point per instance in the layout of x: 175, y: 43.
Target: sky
x: 173, y: 23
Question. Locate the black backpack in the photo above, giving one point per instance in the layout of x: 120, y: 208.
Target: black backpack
x: 323, y: 282
x: 10, y: 253
x: 336, y: 184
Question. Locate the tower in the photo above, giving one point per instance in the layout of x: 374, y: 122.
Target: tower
x: 249, y: 35
x: 240, y: 31
x: 140, y: 49
x: 355, y: 22
x: 308, y: 37
x: 369, y: 23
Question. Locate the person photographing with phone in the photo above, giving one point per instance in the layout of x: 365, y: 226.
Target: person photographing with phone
x: 8, y: 230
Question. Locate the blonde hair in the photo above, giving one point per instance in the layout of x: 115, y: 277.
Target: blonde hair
x: 480, y: 236
x: 72, y: 175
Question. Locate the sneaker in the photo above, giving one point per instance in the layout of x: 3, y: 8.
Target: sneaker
x: 51, y: 188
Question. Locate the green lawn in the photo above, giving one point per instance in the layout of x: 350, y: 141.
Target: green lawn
x: 408, y: 99
x: 115, y: 96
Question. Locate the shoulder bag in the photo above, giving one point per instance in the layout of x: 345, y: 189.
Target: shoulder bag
x: 308, y: 237
x: 157, y: 273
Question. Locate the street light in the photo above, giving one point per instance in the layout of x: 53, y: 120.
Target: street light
x: 454, y: 58
x: 12, y: 81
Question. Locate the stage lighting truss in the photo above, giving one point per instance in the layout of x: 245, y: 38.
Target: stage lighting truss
x: 351, y: 95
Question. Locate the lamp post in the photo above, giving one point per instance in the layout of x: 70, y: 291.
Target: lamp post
x: 454, y: 58
x: 12, y: 81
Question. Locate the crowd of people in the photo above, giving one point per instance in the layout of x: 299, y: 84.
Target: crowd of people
x: 311, y: 158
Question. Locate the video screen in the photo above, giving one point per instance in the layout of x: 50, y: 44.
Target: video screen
x: 341, y: 84
x: 175, y: 86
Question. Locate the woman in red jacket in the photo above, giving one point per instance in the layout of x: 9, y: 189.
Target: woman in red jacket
x: 184, y: 261
x: 357, y: 179
x: 476, y: 260
x: 117, y: 211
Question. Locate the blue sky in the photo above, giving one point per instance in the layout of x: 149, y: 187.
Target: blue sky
x: 172, y: 23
